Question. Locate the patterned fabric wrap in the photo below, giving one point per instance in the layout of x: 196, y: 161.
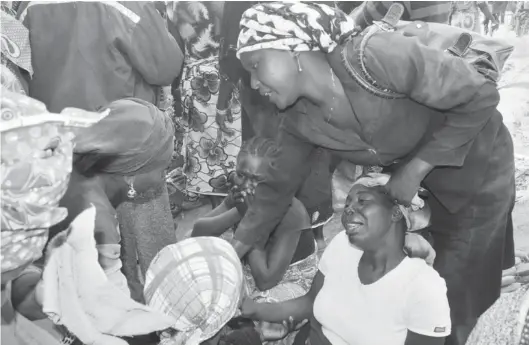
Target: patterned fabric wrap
x: 198, y: 282
x: 15, y: 42
x: 294, y: 26
x: 505, y: 322
x: 33, y: 182
x: 295, y: 283
x: 210, y: 154
x: 148, y: 145
x: 417, y: 215
x: 9, y: 78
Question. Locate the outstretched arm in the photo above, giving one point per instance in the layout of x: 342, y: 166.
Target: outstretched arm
x: 463, y: 96
x: 216, y: 222
x: 298, y: 309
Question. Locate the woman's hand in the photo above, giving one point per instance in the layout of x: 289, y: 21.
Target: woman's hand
x: 276, y: 331
x: 221, y: 117
x: 404, y: 183
x: 417, y: 246
x: 248, y: 199
x: 235, y: 197
x: 249, y: 308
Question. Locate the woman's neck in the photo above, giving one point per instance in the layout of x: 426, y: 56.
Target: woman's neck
x: 318, y: 85
x: 387, y: 256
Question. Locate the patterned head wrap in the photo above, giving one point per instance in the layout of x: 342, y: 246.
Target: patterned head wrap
x: 15, y: 41
x: 198, y: 282
x: 293, y: 26
x: 36, y: 163
x: 16, y: 51
x: 135, y: 138
x: 417, y: 216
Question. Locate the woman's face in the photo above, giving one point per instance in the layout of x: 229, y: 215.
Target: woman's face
x: 275, y: 74
x: 367, y: 216
x: 250, y: 172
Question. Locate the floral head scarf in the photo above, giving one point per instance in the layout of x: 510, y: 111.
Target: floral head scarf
x: 36, y: 163
x: 417, y: 216
x: 294, y: 26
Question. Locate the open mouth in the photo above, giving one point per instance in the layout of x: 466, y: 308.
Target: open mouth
x: 265, y: 93
x: 352, y: 227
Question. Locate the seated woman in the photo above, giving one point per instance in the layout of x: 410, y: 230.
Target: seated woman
x: 118, y: 159
x: 288, y: 258
x: 367, y: 291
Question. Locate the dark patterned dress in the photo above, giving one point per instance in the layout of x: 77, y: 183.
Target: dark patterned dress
x: 506, y: 322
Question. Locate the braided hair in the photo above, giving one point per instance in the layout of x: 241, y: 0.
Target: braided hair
x: 259, y: 147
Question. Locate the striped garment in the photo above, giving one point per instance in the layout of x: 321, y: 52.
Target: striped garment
x: 198, y: 282
x: 426, y: 11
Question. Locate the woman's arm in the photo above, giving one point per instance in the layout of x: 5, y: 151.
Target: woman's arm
x: 464, y: 97
x: 223, y: 207
x: 298, y: 309
x: 24, y: 294
x: 269, y: 265
x: 216, y: 225
x: 440, y: 81
x: 275, y: 193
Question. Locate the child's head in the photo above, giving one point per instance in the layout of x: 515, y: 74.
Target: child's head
x: 255, y: 157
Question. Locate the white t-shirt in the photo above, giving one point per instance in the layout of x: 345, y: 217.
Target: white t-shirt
x: 410, y: 297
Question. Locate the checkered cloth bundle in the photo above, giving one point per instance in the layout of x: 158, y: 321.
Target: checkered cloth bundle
x: 199, y: 282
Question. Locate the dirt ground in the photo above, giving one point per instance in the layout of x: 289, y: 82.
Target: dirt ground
x: 514, y: 105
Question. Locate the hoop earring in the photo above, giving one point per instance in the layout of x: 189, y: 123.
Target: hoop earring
x: 131, y: 193
x: 299, y: 64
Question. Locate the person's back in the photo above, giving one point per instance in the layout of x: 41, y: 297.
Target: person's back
x: 88, y: 54
x: 296, y: 214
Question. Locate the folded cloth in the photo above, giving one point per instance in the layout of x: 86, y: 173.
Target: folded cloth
x: 78, y: 295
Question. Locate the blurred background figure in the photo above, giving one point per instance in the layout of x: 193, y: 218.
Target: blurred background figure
x: 466, y: 15
x: 498, y: 9
x: 521, y: 17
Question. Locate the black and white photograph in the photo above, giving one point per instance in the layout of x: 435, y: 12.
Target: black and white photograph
x: 264, y: 172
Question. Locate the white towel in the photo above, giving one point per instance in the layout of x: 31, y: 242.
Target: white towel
x: 78, y: 295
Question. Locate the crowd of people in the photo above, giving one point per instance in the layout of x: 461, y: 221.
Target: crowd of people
x: 118, y: 117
